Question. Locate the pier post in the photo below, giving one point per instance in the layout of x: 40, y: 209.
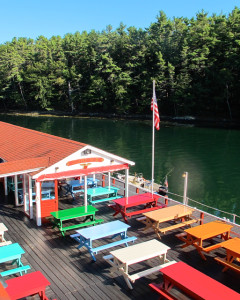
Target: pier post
x: 185, y: 175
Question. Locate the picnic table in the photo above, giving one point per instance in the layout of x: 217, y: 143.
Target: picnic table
x: 232, y: 247
x: 149, y: 202
x: 27, y: 285
x: 87, y: 212
x: 179, y: 213
x: 76, y: 186
x: 122, y: 259
x: 193, y: 282
x: 110, y: 193
x: 3, y: 241
x: 13, y: 252
x: 196, y: 235
x: 85, y: 237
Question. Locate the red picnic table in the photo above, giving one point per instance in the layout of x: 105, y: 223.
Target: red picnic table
x: 27, y: 285
x: 193, y: 282
x: 138, y: 204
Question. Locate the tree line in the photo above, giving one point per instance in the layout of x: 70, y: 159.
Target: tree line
x: 195, y: 63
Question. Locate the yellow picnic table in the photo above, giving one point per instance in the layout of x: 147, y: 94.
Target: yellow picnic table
x: 179, y: 213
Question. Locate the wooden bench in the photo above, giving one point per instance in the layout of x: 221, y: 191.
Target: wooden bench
x: 4, y: 243
x: 105, y: 199
x: 161, y: 291
x: 227, y: 264
x: 16, y: 270
x: 94, y: 222
x: 178, y: 225
x: 138, y: 212
x: 150, y: 271
x: 113, y: 244
x: 27, y: 285
x: 142, y: 219
x: 143, y: 273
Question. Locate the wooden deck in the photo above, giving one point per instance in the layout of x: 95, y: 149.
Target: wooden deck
x: 72, y: 273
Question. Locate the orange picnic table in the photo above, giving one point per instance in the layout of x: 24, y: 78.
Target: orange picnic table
x: 196, y: 235
x: 232, y: 247
x: 179, y: 213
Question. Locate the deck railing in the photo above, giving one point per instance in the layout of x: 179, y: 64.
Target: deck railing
x: 206, y: 209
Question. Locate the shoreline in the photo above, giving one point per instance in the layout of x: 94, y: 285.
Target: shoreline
x: 165, y: 120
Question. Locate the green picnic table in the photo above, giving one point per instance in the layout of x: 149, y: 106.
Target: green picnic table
x: 73, y: 213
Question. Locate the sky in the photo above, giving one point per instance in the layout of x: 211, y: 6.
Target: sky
x: 32, y: 18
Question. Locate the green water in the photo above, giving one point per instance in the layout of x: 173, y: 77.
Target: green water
x: 210, y: 156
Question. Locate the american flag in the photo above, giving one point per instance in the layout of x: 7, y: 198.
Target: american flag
x: 156, y: 113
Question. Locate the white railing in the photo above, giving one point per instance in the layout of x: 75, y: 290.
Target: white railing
x: 206, y: 209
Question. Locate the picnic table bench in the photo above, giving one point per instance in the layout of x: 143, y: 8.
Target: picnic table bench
x: 27, y: 285
x: 192, y: 282
x: 85, y: 237
x: 3, y: 241
x: 13, y: 252
x: 110, y: 193
x: 138, y: 204
x: 232, y: 247
x: 180, y: 214
x: 76, y: 186
x: 195, y: 236
x: 86, y: 212
x: 122, y: 259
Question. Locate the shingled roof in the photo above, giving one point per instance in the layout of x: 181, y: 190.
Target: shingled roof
x: 25, y: 149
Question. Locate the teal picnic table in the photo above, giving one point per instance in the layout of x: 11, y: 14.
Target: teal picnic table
x: 13, y: 252
x: 110, y: 193
x: 87, y: 212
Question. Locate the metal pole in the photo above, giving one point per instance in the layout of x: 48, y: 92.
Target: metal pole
x: 153, y: 131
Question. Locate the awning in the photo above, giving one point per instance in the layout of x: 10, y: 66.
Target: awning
x: 82, y: 172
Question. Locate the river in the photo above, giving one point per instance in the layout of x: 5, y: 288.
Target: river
x: 209, y: 155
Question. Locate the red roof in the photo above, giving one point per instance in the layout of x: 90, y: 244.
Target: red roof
x: 27, y: 149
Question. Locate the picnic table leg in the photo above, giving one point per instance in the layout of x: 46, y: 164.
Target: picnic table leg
x: 229, y: 259
x: 117, y: 209
x: 42, y: 295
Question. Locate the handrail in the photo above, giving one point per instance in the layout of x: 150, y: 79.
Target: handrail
x: 235, y: 218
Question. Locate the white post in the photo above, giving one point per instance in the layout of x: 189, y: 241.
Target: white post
x: 24, y: 191
x: 185, y: 188
x: 85, y: 193
x: 126, y: 183
x: 5, y: 186
x: 16, y: 190
x: 38, y: 205
x: 109, y: 180
x: 153, y: 137
x: 30, y: 197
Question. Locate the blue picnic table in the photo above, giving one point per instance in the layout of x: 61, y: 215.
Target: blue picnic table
x: 86, y: 236
x: 76, y: 186
x: 110, y: 193
x: 13, y: 252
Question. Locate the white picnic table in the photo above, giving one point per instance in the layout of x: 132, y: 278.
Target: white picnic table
x: 123, y: 258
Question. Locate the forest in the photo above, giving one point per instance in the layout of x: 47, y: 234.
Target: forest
x: 195, y: 63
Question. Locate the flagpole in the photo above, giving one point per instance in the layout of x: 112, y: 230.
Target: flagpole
x: 153, y: 137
